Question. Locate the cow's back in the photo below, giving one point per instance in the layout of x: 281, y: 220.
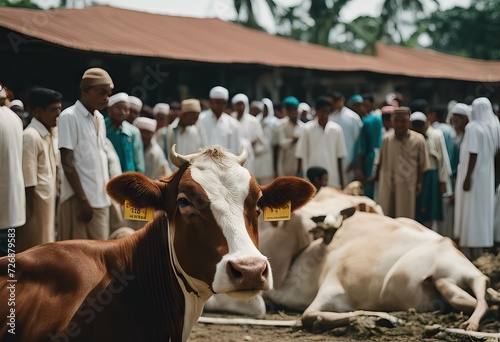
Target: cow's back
x: 51, y: 281
x: 373, y: 257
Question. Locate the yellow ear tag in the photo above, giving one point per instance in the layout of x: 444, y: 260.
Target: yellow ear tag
x: 278, y: 214
x: 137, y: 214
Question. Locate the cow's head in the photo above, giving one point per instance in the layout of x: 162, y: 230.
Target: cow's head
x: 213, y: 204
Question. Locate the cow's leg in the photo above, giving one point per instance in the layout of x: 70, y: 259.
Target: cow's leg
x: 318, y: 321
x: 462, y: 301
x: 323, y: 315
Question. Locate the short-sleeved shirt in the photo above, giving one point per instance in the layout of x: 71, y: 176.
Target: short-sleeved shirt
x: 322, y: 147
x: 12, y: 197
x: 225, y: 131
x: 125, y: 140
x: 40, y: 172
x: 85, y: 134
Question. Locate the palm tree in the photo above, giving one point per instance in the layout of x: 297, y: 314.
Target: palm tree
x: 366, y: 30
x: 247, y: 7
x: 391, y: 14
x: 325, y: 18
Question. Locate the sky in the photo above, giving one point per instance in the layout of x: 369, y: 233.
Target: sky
x: 224, y: 9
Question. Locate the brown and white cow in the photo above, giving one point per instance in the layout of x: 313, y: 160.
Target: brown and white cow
x: 372, y: 263
x: 152, y: 285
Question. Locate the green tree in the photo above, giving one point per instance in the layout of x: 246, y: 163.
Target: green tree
x: 326, y: 17
x: 246, y: 12
x: 469, y: 32
x: 19, y: 4
x: 390, y: 18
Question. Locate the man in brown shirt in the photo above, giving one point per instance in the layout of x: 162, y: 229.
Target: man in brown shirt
x: 402, y: 159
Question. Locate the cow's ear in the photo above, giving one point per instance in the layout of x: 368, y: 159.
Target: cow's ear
x: 141, y: 191
x: 283, y: 189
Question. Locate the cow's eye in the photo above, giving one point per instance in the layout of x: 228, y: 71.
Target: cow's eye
x: 183, y: 202
x: 258, y: 211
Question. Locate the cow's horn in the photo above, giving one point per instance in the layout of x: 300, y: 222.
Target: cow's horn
x: 178, y: 159
x: 242, y: 158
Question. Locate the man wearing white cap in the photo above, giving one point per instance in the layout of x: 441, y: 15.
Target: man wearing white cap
x: 253, y: 136
x: 156, y: 163
x: 84, y: 208
x: 304, y: 112
x: 161, y: 112
x: 128, y: 145
x: 135, y: 109
x: 217, y: 127
x: 474, y: 190
x: 429, y: 201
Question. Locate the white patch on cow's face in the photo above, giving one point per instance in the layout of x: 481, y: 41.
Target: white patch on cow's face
x: 227, y: 188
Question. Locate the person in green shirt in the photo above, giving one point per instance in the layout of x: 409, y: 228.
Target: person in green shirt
x: 126, y: 138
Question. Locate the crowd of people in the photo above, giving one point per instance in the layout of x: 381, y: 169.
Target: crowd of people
x: 432, y: 164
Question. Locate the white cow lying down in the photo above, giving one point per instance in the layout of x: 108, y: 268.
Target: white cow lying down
x: 372, y: 263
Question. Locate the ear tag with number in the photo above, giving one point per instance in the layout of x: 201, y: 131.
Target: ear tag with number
x: 137, y: 214
x: 278, y: 214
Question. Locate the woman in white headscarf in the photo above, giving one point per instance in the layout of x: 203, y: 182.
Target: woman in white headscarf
x: 474, y: 193
x: 264, y: 150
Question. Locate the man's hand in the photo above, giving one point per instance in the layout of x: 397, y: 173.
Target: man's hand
x: 442, y: 188
x: 467, y: 184
x: 418, y: 188
x: 86, y: 211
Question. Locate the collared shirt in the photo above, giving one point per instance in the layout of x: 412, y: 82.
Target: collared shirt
x: 225, y: 131
x: 156, y: 163
x: 287, y: 132
x: 318, y: 146
x: 12, y: 198
x: 85, y: 134
x: 351, y: 125
x: 187, y: 139
x: 438, y: 155
x: 127, y: 145
x: 39, y: 171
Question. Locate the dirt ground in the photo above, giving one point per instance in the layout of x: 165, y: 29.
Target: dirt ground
x: 413, y: 326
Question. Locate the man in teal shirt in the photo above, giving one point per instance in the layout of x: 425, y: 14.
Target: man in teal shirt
x: 368, y: 144
x: 126, y: 138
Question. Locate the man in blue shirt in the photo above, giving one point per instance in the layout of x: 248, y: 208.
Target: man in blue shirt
x: 127, y: 143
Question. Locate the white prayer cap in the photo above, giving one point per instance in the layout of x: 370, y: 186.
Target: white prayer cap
x: 135, y: 103
x: 161, y: 108
x: 18, y: 103
x: 120, y: 97
x: 418, y: 116
x: 303, y: 107
x: 145, y: 123
x: 240, y: 98
x: 257, y: 104
x: 461, y: 109
x: 219, y: 93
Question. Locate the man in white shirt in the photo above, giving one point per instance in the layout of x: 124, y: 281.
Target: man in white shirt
x: 40, y: 169
x: 182, y: 131
x: 252, y: 130
x: 351, y: 126
x: 217, y: 127
x: 322, y: 144
x: 156, y: 163
x: 84, y: 208
x: 12, y: 197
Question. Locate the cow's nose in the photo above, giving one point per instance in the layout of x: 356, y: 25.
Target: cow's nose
x: 248, y: 273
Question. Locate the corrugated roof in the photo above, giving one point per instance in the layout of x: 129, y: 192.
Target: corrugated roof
x: 120, y: 31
